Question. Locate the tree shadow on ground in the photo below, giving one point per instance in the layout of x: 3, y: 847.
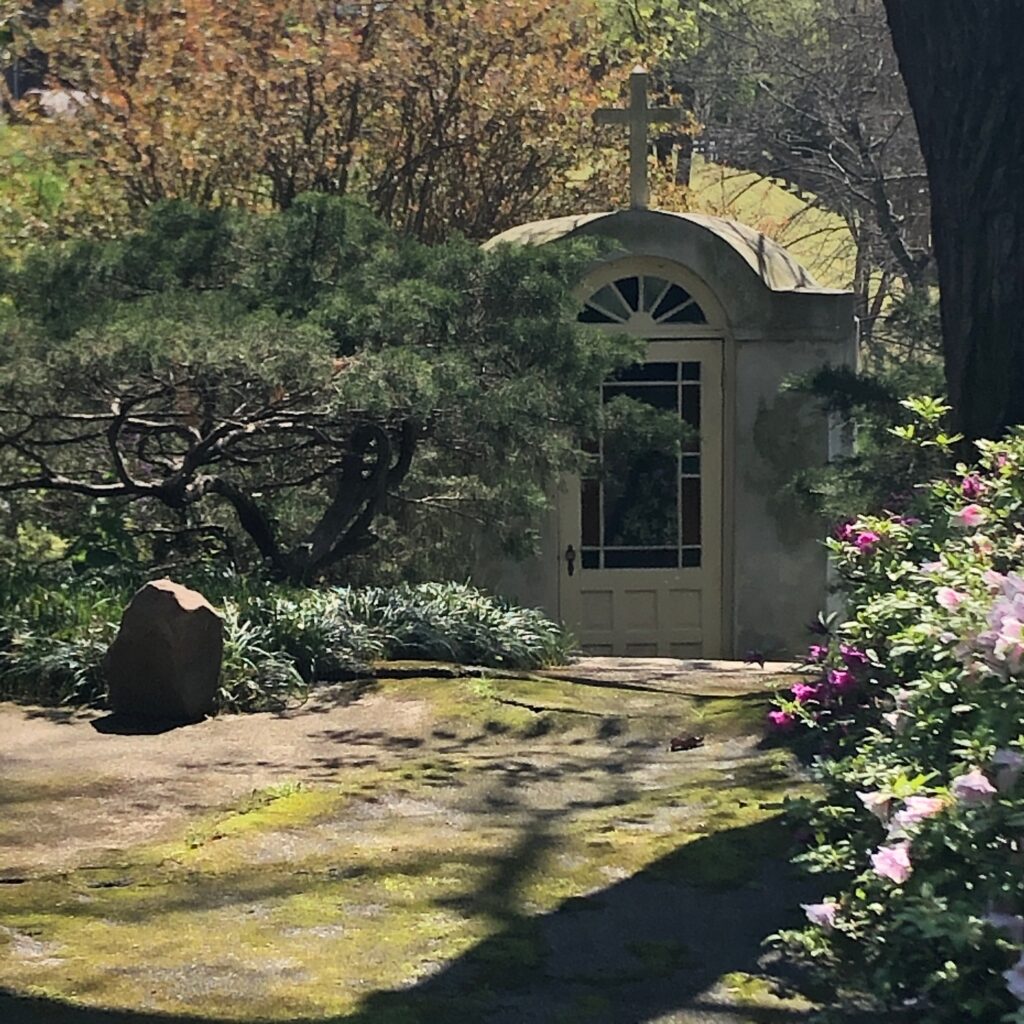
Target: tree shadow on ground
x: 129, y: 725
x: 648, y: 947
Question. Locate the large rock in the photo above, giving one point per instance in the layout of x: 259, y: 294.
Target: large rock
x: 164, y: 663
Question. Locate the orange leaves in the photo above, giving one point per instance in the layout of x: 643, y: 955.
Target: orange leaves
x: 446, y: 116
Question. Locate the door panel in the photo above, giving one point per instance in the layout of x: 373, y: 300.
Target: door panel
x: 644, y: 532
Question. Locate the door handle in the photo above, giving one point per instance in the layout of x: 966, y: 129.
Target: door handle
x: 570, y: 559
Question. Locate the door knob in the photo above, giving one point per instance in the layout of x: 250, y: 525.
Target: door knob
x: 570, y: 559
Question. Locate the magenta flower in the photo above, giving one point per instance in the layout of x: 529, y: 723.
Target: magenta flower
x: 866, y: 541
x: 949, y: 598
x: 844, y: 531
x: 968, y: 517
x: 841, y: 679
x: 853, y: 656
x: 971, y: 487
x: 782, y: 720
x: 893, y: 862
x: 972, y: 788
x: 802, y: 692
x: 817, y: 653
x: 821, y: 914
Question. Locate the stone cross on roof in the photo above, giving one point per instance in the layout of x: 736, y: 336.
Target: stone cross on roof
x: 638, y: 116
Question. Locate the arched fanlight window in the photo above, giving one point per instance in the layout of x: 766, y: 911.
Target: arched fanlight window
x: 641, y: 300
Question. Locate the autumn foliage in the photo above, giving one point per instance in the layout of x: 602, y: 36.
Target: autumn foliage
x: 467, y: 116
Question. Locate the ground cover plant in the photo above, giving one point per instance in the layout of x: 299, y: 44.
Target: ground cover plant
x: 279, y: 641
x: 917, y: 706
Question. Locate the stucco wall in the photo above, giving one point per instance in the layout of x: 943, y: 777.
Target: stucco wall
x: 531, y: 582
x: 779, y: 561
x: 775, y: 322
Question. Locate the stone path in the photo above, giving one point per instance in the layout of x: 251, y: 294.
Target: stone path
x: 404, y: 851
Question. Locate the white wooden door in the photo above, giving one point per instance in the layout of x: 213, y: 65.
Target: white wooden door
x: 641, y: 539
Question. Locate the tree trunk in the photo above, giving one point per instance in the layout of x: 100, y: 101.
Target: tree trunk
x: 964, y: 72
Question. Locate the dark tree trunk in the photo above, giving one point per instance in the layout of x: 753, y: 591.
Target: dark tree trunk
x: 963, y: 65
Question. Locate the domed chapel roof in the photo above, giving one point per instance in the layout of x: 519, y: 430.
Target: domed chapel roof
x: 675, y: 236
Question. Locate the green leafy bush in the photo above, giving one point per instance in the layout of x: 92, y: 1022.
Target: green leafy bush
x: 875, y: 474
x: 923, y: 814
x: 277, y: 641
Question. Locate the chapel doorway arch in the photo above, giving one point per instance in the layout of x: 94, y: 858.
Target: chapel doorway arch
x: 641, y: 533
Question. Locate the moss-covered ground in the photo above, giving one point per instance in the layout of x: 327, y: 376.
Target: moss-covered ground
x: 468, y: 850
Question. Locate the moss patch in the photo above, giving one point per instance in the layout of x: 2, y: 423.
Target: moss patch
x: 435, y: 882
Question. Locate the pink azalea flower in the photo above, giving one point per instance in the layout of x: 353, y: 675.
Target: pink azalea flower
x: 1008, y: 643
x: 932, y: 567
x: 949, y: 598
x: 782, y: 720
x: 993, y: 580
x: 1008, y: 764
x: 915, y: 809
x: 968, y: 517
x: 816, y: 653
x: 844, y: 531
x: 866, y: 541
x: 972, y: 487
x: 972, y: 788
x: 841, y: 679
x: 879, y: 804
x: 821, y: 914
x: 1015, y: 980
x: 893, y: 862
x: 802, y: 692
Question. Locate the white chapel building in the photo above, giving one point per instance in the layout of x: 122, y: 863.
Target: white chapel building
x: 703, y: 553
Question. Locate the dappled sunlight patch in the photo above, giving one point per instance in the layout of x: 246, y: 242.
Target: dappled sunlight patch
x: 420, y: 886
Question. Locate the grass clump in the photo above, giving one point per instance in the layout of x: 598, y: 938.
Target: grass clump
x: 278, y: 641
x: 456, y: 622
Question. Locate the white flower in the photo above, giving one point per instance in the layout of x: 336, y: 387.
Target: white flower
x: 897, y: 721
x: 879, y: 804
